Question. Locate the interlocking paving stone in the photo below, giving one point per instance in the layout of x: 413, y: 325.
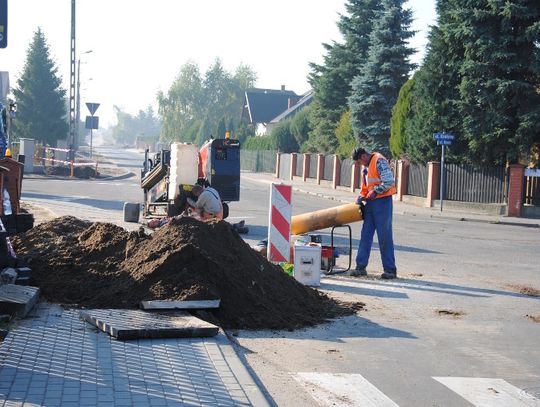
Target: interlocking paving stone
x: 55, y: 359
x: 134, y: 324
x: 17, y: 300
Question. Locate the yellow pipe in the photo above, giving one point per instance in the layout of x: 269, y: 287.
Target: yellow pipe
x: 325, y: 218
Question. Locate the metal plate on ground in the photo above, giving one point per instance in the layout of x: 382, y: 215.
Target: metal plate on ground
x: 17, y: 300
x: 132, y: 324
x: 175, y: 305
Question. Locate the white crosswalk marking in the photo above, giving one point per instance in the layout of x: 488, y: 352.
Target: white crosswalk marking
x: 484, y: 392
x: 343, y: 390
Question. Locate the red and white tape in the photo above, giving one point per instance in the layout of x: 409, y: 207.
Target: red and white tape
x: 279, y: 230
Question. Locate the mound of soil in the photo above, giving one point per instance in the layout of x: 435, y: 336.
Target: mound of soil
x: 78, y: 172
x: 101, y: 265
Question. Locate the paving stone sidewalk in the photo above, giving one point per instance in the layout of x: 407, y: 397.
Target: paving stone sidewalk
x: 52, y: 358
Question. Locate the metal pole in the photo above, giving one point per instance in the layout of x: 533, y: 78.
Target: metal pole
x: 441, y: 190
x: 91, y: 137
x: 78, y: 114
x: 71, y: 137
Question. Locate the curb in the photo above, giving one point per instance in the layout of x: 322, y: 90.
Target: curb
x: 57, y: 178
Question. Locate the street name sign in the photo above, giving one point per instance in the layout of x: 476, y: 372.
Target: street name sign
x: 3, y: 23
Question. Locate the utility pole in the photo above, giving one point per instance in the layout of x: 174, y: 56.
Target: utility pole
x: 72, y: 124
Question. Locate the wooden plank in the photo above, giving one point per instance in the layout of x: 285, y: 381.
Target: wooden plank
x: 133, y: 324
x: 179, y: 305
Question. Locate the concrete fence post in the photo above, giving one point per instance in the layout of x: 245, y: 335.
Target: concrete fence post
x: 433, y: 182
x: 320, y: 168
x: 278, y: 164
x: 336, y: 177
x: 402, y: 178
x: 516, y: 189
x: 305, y: 167
x: 294, y: 158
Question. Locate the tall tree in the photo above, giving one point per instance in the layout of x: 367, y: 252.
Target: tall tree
x: 375, y: 89
x: 500, y: 99
x: 331, y: 80
x: 480, y: 81
x: 435, y: 96
x: 41, y: 104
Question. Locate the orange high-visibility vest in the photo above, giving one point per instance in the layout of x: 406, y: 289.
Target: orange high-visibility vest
x: 373, y: 178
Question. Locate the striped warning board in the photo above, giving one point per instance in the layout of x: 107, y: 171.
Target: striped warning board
x: 279, y: 230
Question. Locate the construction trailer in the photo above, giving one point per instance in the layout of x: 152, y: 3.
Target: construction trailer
x: 168, y: 176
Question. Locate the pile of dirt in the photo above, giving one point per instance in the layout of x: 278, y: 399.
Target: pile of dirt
x: 78, y: 172
x: 101, y: 265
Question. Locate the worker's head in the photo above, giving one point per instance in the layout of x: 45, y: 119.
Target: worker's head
x: 197, y: 190
x: 361, y: 155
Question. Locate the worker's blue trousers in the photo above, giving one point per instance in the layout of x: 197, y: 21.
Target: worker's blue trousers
x: 377, y: 217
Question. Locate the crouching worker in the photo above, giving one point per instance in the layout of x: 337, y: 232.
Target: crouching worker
x: 208, y: 205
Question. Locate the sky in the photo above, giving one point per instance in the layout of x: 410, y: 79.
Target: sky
x: 138, y: 46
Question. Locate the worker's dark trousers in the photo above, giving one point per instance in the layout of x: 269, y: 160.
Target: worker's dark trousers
x: 377, y: 217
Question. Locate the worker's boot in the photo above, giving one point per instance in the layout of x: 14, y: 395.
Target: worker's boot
x: 389, y: 275
x: 358, y: 272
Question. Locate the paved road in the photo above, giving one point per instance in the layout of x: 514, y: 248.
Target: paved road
x: 453, y: 331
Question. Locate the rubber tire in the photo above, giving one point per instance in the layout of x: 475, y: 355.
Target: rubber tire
x: 131, y: 212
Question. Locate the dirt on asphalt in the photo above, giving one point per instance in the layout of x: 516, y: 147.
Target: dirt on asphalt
x: 101, y: 265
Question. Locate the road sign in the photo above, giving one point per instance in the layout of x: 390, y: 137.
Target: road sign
x: 92, y: 122
x: 443, y: 136
x: 444, y: 142
x: 92, y: 107
x: 3, y: 23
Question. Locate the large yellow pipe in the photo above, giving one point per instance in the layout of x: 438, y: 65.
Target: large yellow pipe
x: 325, y: 218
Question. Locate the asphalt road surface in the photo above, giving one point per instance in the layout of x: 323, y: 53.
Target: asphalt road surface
x: 460, y: 327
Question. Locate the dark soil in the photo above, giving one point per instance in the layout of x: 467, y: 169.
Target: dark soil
x: 101, y: 265
x: 78, y: 172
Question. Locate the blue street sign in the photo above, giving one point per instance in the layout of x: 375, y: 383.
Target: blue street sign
x: 444, y: 142
x: 3, y: 23
x: 443, y: 136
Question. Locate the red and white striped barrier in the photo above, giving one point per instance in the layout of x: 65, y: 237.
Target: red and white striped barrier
x: 279, y: 230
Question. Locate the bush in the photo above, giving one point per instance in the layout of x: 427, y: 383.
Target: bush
x: 259, y: 143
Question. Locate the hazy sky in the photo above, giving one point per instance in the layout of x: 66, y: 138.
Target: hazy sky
x: 139, y: 46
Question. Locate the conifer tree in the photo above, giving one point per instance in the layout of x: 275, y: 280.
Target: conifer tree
x: 41, y: 104
x: 342, y: 62
x: 375, y: 89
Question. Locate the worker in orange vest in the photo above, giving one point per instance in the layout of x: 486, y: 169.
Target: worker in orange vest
x: 378, y: 186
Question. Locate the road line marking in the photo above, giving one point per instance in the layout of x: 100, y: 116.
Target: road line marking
x: 485, y: 392
x: 343, y: 390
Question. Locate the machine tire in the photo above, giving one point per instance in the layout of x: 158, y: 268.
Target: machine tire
x: 225, y: 210
x: 131, y: 212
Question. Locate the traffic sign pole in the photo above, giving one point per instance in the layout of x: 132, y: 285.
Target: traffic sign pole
x: 441, y: 190
x: 443, y: 139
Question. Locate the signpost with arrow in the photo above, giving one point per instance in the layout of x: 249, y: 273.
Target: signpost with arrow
x: 92, y: 122
x: 443, y: 139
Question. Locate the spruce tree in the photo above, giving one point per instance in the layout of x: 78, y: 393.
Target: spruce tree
x: 342, y: 62
x: 375, y: 89
x: 499, y: 89
x: 41, y: 104
x: 435, y: 97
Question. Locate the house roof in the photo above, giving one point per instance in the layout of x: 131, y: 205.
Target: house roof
x: 304, y: 101
x: 262, y: 105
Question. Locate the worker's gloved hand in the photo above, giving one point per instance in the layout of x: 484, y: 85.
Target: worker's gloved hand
x: 371, y: 195
x: 360, y: 200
